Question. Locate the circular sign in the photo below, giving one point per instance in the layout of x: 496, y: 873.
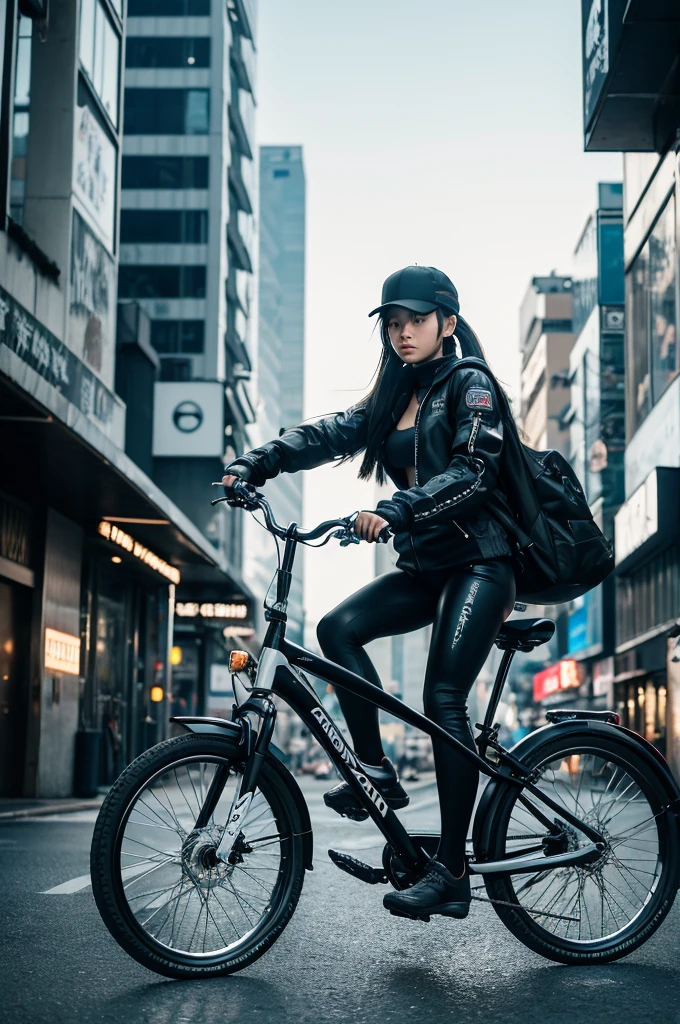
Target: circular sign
x: 187, y: 417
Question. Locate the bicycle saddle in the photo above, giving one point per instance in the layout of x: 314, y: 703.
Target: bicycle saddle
x: 524, y: 634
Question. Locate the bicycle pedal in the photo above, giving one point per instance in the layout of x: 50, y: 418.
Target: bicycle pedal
x: 357, y: 868
x: 411, y: 917
x: 358, y: 815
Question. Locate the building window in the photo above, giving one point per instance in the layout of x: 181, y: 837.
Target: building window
x: 22, y: 95
x: 161, y: 282
x: 170, y: 336
x: 175, y: 369
x: 611, y: 264
x: 282, y: 172
x: 652, y: 319
x: 165, y: 172
x: 178, y: 227
x: 168, y: 8
x: 99, y: 52
x: 662, y: 302
x: 167, y: 111
x: 167, y: 52
x: 648, y: 597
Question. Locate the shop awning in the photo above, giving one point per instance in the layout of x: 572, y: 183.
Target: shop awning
x: 52, y: 453
x: 631, y: 86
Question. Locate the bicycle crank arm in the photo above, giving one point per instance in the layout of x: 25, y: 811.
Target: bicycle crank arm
x: 526, y: 863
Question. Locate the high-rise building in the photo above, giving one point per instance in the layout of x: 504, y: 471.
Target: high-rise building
x: 187, y: 235
x: 280, y: 356
x: 92, y: 551
x: 187, y: 256
x: 631, y: 104
x: 596, y: 413
x: 546, y: 337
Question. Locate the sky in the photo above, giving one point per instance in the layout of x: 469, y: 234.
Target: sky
x: 444, y: 133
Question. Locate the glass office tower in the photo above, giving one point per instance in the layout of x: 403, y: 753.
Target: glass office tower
x: 281, y: 352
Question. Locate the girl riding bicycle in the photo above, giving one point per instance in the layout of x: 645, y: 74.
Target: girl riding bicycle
x: 438, y: 436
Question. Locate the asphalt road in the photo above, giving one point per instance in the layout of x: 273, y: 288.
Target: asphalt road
x: 341, y: 958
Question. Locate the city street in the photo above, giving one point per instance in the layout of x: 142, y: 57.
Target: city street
x: 341, y: 958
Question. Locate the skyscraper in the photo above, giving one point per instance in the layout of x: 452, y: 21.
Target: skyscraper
x: 187, y: 234
x: 281, y: 350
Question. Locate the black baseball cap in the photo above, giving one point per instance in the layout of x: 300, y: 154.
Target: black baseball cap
x: 420, y: 289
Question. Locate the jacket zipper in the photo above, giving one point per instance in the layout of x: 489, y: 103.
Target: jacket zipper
x: 415, y: 456
x: 415, y: 461
x: 476, y: 419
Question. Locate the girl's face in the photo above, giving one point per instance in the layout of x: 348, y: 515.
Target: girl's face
x: 415, y: 337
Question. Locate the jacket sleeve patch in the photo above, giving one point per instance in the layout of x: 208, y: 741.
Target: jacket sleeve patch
x: 478, y: 398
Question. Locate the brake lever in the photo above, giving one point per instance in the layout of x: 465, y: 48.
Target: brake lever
x: 238, y: 500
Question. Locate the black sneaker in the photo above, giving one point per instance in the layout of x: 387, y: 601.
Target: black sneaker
x: 386, y: 781
x: 437, y: 892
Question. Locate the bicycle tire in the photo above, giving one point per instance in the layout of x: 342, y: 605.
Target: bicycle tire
x: 108, y: 885
x: 522, y: 924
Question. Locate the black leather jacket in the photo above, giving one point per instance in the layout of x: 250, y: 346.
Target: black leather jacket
x: 446, y: 518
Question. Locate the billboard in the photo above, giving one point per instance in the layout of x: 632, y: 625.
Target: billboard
x: 92, y: 304
x: 585, y: 629
x: 595, y: 53
x: 562, y: 676
x: 188, y: 419
x: 94, y: 173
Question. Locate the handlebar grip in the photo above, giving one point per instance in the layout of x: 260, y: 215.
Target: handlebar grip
x: 241, y: 492
x: 384, y: 535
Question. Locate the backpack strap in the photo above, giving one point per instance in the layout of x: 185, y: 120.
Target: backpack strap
x: 518, y: 484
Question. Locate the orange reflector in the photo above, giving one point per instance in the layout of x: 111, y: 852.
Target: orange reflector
x: 237, y: 660
x: 157, y: 694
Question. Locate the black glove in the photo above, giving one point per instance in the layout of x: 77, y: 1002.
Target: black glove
x: 397, y: 513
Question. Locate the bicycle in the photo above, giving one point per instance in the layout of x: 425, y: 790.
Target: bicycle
x: 201, y: 846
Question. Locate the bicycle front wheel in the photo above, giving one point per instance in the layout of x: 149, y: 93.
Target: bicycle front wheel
x: 601, y: 911
x: 159, y: 887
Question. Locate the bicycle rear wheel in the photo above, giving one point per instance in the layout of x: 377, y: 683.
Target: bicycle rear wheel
x: 158, y: 885
x: 598, y: 912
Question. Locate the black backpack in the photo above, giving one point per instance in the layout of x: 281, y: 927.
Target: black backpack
x: 561, y: 552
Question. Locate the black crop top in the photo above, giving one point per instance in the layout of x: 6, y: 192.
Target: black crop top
x: 400, y: 447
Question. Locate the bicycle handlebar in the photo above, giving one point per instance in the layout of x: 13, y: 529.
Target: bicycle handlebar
x: 245, y: 495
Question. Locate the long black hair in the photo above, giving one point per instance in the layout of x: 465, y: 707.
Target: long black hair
x: 379, y: 401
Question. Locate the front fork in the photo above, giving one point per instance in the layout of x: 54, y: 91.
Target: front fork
x: 256, y: 746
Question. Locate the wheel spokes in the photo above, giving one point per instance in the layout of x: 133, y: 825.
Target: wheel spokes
x: 177, y: 891
x: 590, y: 902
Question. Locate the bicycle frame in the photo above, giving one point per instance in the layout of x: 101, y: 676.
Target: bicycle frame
x: 279, y: 674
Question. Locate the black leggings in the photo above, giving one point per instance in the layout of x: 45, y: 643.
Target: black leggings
x: 467, y: 606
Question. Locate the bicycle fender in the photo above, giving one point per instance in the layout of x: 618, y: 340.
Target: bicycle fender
x: 233, y: 732
x: 629, y: 741
x: 212, y: 727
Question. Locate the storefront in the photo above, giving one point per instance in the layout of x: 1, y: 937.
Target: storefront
x: 90, y: 552
x: 127, y: 601
x: 207, y: 627
x: 17, y: 580
x: 648, y: 604
x: 560, y: 684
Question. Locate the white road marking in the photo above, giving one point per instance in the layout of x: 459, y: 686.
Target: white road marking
x: 73, y: 817
x: 83, y: 881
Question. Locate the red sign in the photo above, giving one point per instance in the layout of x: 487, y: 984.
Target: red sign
x: 562, y: 676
